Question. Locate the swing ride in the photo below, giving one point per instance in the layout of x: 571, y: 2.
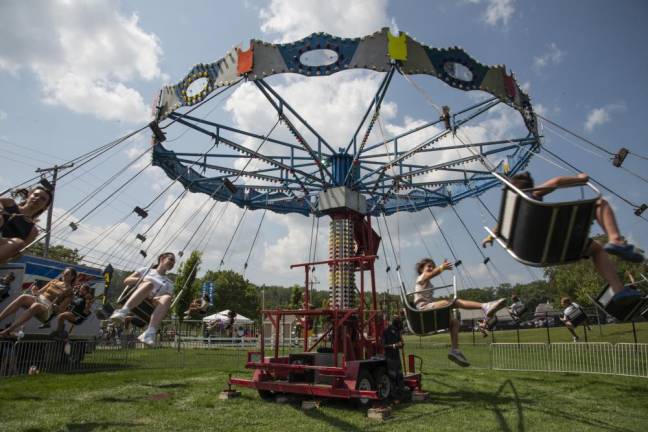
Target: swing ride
x: 293, y: 169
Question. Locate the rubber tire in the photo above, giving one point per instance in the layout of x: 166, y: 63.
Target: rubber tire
x: 365, y: 379
x: 267, y: 395
x: 382, y: 379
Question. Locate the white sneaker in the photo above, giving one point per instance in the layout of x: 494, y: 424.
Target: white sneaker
x: 491, y: 307
x: 458, y: 357
x: 147, y: 338
x: 119, y: 316
x: 575, y: 339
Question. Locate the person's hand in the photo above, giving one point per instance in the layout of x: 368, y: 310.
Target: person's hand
x: 584, y: 177
x: 488, y: 241
x: 447, y: 265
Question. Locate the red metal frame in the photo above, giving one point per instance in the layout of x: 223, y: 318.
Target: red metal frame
x: 356, y: 334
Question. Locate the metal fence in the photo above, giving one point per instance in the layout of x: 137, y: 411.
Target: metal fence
x: 596, y: 358
x: 25, y: 357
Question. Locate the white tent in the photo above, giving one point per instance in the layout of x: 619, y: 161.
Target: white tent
x: 223, y: 317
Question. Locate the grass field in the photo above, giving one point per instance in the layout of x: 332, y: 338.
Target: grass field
x: 167, y: 390
x: 187, y: 400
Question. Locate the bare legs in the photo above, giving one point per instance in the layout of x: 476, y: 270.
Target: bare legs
x: 604, y: 266
x: 606, y: 219
x: 161, y: 309
x: 65, y: 316
x: 9, y: 247
x: 24, y: 301
x: 143, y: 291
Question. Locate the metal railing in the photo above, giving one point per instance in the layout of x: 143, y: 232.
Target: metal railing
x: 594, y: 357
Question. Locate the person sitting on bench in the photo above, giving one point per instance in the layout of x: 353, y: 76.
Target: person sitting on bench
x: 78, y: 310
x: 424, y: 300
x: 17, y: 221
x: 41, y: 303
x: 155, y: 286
x: 571, y: 308
x: 616, y: 245
x: 198, y: 307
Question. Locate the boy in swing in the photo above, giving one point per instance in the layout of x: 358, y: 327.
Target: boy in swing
x: 617, y: 244
x: 424, y: 300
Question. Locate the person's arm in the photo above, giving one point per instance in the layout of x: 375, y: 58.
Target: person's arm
x: 488, y: 240
x: 427, y: 275
x: 551, y: 184
x: 7, y: 202
x: 132, y: 279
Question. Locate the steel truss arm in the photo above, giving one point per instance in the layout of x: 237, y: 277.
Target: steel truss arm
x: 266, y: 90
x: 248, y: 151
x: 426, y: 143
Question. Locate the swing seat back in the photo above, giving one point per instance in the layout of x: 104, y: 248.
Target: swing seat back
x: 542, y: 234
x: 517, y: 312
x: 577, y: 317
x: 424, y: 322
x: 622, y: 310
x: 141, y: 315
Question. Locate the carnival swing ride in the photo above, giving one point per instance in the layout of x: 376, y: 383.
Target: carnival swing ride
x: 355, y: 183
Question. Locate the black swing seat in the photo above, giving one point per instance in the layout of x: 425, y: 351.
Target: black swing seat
x: 627, y: 307
x: 140, y: 315
x: 577, y: 317
x: 517, y: 311
x: 542, y: 234
x: 424, y: 322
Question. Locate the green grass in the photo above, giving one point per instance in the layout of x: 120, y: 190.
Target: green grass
x: 169, y: 390
x: 461, y: 399
x: 613, y: 333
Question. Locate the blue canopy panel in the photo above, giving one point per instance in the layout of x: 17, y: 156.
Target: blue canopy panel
x: 193, y: 181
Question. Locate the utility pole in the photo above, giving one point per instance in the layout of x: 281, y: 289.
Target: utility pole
x: 54, y: 170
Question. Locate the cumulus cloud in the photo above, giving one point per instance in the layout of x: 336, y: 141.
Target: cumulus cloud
x: 552, y: 56
x: 3, y: 115
x: 602, y: 115
x: 84, y: 54
x: 294, y: 19
x: 499, y: 12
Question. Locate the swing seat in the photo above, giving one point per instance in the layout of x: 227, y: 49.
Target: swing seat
x: 140, y: 315
x: 430, y: 321
x: 542, y: 234
x: 623, y: 307
x: 577, y: 317
x: 517, y: 312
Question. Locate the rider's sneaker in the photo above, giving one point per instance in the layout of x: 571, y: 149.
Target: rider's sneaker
x: 119, y: 316
x: 491, y: 307
x: 626, y: 252
x: 147, y: 338
x: 457, y: 357
x: 575, y: 339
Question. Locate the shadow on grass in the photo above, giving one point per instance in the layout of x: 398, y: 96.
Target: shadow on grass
x: 92, y: 426
x: 321, y: 416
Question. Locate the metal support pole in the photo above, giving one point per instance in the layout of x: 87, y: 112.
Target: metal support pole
x: 547, y: 325
x: 517, y: 331
x: 54, y: 170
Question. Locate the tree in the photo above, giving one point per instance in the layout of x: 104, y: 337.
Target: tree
x: 186, y: 284
x: 56, y: 252
x: 233, y: 292
x: 296, y: 292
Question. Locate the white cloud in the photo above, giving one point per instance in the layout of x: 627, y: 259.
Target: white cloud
x: 499, y: 12
x: 294, y: 19
x: 600, y: 116
x: 3, y: 115
x: 84, y: 54
x: 552, y: 56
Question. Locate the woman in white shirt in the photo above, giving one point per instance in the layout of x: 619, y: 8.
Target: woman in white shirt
x: 424, y: 300
x: 155, y: 286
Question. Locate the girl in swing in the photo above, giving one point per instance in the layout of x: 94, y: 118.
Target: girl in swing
x: 616, y: 245
x: 17, y: 221
x: 424, y: 300
x: 42, y: 303
x: 153, y: 285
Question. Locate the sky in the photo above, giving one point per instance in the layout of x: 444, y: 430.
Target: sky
x: 76, y: 75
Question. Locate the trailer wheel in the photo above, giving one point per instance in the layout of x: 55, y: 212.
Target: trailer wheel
x: 384, y: 384
x: 267, y: 395
x: 365, y: 382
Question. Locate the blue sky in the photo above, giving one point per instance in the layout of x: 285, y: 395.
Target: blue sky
x: 77, y: 75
